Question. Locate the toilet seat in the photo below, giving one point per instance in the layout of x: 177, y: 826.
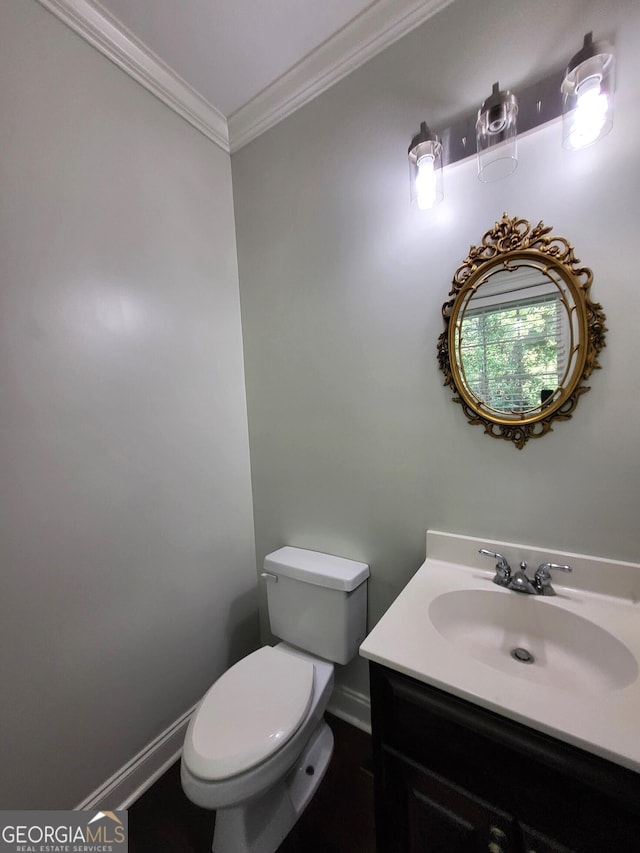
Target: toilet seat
x: 249, y: 713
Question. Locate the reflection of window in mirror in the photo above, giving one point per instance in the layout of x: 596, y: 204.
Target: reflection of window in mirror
x: 513, y: 341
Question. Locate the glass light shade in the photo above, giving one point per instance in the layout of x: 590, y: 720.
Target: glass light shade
x: 587, y: 95
x: 497, y: 135
x: 425, y: 169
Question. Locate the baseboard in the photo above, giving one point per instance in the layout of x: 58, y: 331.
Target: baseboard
x: 351, y: 706
x: 137, y: 775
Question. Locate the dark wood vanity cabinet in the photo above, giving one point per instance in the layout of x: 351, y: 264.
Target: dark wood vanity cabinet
x: 451, y: 777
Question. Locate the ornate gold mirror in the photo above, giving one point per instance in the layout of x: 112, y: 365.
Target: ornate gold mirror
x: 522, y: 334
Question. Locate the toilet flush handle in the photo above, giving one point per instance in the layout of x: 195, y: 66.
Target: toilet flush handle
x: 269, y: 576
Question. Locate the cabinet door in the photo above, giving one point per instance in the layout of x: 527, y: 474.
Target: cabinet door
x: 535, y: 842
x: 442, y: 818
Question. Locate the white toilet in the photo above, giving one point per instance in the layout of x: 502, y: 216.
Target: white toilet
x: 257, y: 745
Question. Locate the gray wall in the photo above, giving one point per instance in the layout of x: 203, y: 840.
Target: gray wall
x: 356, y: 446
x: 127, y: 559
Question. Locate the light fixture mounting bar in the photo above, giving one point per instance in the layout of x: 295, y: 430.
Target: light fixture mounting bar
x: 537, y: 104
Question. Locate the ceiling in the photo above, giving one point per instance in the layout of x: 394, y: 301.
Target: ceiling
x: 230, y: 50
x: 234, y: 68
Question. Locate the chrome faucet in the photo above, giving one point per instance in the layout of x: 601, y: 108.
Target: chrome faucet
x: 519, y: 582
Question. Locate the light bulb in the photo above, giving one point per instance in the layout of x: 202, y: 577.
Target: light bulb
x: 587, y: 94
x: 425, y: 169
x: 426, y: 183
x: 590, y: 115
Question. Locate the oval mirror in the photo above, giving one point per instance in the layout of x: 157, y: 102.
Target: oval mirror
x: 522, y: 333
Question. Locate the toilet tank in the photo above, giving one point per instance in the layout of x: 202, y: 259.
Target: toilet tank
x: 317, y: 602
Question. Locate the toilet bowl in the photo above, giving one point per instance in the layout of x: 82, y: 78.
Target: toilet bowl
x: 257, y: 746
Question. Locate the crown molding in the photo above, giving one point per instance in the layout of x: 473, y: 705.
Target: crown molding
x: 110, y: 37
x: 379, y: 26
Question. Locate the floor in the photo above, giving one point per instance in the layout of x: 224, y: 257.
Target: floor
x: 339, y: 819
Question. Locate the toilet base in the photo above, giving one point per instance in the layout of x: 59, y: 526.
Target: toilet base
x: 262, y: 824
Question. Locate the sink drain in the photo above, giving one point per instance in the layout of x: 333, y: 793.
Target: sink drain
x: 522, y: 655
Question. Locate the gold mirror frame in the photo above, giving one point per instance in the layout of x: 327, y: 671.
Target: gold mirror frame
x: 511, y: 241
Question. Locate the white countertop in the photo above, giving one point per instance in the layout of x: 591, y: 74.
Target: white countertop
x: 602, y: 719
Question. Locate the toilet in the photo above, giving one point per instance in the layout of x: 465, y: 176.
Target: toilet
x: 257, y: 745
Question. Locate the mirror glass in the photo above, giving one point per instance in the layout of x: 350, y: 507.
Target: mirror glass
x: 515, y: 339
x: 521, y: 331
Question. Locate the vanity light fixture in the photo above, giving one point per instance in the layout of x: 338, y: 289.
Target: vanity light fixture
x: 587, y: 94
x: 582, y: 95
x: 497, y: 135
x: 425, y: 168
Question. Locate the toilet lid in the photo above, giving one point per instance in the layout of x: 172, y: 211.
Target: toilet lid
x: 248, y: 714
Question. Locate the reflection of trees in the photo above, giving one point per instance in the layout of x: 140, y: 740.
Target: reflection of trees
x: 512, y: 352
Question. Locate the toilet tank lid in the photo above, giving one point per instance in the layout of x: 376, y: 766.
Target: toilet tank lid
x: 317, y: 568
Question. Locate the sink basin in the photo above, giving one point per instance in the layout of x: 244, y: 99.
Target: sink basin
x: 529, y: 637
x: 455, y: 630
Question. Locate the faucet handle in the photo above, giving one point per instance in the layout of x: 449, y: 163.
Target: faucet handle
x: 544, y: 568
x: 542, y: 577
x: 503, y: 569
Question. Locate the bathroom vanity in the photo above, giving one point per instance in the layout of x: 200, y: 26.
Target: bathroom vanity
x: 450, y: 776
x: 476, y: 750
